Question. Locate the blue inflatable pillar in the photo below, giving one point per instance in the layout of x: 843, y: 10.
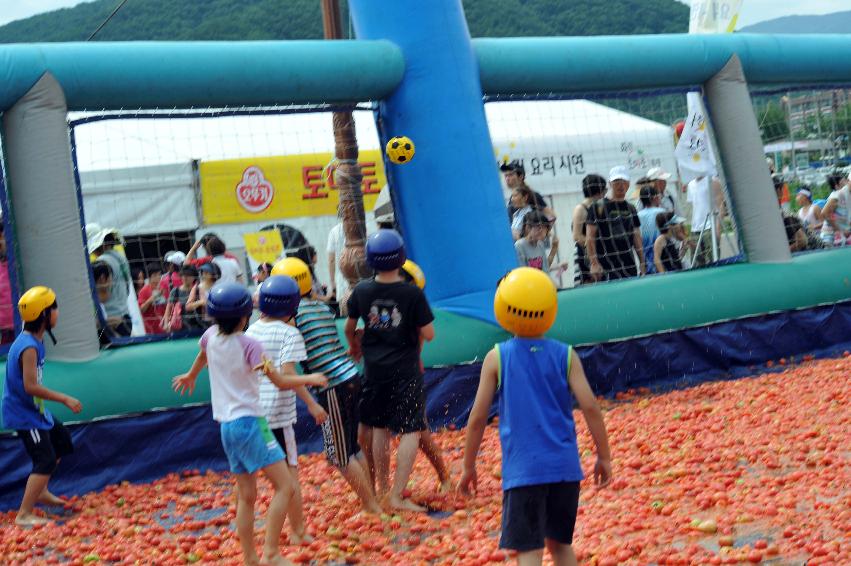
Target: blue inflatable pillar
x: 448, y: 200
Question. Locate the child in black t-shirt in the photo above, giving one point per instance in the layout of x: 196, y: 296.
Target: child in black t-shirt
x: 396, y: 318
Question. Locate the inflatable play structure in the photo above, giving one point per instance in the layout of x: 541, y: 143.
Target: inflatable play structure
x: 428, y: 80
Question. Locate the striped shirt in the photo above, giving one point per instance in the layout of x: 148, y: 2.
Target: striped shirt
x: 281, y: 343
x: 325, y: 352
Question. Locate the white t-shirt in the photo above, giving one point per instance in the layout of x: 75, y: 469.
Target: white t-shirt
x: 336, y: 245
x: 234, y: 387
x: 229, y: 267
x: 281, y: 343
x: 699, y: 194
x: 840, y: 214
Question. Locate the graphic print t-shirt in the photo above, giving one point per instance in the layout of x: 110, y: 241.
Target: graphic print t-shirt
x: 392, y: 314
x: 616, y: 222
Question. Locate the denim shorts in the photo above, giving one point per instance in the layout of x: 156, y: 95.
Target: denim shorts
x: 249, y: 445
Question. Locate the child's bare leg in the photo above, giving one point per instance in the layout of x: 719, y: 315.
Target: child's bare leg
x: 562, y: 553
x: 282, y: 482
x: 295, y: 513
x: 365, y: 443
x: 530, y: 558
x: 405, y: 456
x: 358, y: 479
x: 246, y: 494
x: 36, y: 485
x: 435, y: 456
x: 381, y: 454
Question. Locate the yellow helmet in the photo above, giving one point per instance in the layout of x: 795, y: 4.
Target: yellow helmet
x: 34, y: 302
x: 415, y: 272
x: 525, y: 303
x: 298, y: 270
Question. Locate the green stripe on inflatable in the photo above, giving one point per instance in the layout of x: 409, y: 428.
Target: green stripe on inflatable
x: 138, y: 378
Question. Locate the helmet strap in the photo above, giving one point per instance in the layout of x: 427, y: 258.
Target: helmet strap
x: 47, y: 328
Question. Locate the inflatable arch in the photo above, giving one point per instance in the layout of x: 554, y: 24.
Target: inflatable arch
x: 428, y: 78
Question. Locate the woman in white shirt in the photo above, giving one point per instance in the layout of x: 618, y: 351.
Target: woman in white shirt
x: 809, y: 214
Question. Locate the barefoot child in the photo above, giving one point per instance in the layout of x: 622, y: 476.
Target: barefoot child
x: 45, y: 438
x: 325, y: 353
x: 283, y: 346
x: 233, y: 360
x: 396, y: 318
x: 412, y: 273
x: 533, y: 378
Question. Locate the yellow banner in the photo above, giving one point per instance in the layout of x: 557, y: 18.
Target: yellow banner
x: 265, y: 246
x: 269, y: 188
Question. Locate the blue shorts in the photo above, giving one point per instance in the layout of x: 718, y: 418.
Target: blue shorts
x: 250, y: 445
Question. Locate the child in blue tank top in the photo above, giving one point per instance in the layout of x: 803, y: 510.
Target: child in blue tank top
x: 536, y: 380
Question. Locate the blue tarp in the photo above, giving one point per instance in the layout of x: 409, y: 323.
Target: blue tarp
x: 144, y: 447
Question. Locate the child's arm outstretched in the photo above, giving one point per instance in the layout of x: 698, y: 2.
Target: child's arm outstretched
x: 29, y: 363
x: 594, y: 417
x: 185, y: 382
x: 283, y: 379
x: 478, y: 421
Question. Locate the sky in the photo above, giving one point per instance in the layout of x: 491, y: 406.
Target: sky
x: 753, y: 11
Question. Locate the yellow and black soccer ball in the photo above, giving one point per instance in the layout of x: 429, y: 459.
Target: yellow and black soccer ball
x: 400, y: 149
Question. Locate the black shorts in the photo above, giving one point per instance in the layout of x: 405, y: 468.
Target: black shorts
x: 46, y: 447
x: 397, y: 404
x: 533, y: 513
x: 340, y: 431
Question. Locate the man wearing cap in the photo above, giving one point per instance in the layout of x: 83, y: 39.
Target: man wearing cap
x: 515, y: 176
x: 659, y: 177
x: 613, y: 233
x: 101, y: 242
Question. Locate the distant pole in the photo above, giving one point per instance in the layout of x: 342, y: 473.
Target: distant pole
x: 347, y: 173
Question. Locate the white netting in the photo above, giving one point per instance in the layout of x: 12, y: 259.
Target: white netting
x: 163, y: 179
x: 561, y: 142
x: 807, y: 137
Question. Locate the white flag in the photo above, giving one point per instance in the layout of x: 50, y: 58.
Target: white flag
x: 695, y: 157
x: 714, y: 16
x: 694, y: 154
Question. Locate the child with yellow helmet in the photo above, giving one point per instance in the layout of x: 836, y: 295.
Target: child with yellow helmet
x: 341, y: 397
x: 414, y: 275
x: 533, y: 378
x: 45, y: 438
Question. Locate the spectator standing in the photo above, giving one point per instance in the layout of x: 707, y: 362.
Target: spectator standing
x: 704, y: 194
x: 593, y: 189
x: 176, y: 308
x: 834, y: 229
x: 797, y: 236
x: 102, y: 242
x: 7, y: 317
x: 668, y: 199
x: 531, y: 249
x: 671, y: 243
x: 651, y: 202
x: 615, y: 222
x: 521, y: 200
x: 231, y: 271
x: 808, y: 213
x: 171, y: 278
x: 514, y: 175
x: 334, y: 249
x: 152, y: 300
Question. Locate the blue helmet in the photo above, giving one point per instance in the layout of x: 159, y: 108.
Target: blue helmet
x: 385, y: 250
x: 229, y: 300
x: 279, y: 296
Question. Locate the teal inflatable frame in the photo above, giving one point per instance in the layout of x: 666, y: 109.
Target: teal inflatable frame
x: 200, y: 75
x: 150, y: 75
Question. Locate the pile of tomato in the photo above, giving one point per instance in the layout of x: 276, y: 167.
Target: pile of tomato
x: 745, y: 471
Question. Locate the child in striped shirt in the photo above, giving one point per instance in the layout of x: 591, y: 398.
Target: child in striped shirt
x: 284, y: 347
x: 326, y: 354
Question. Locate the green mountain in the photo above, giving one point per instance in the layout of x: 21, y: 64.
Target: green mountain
x: 837, y: 22
x: 167, y: 20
